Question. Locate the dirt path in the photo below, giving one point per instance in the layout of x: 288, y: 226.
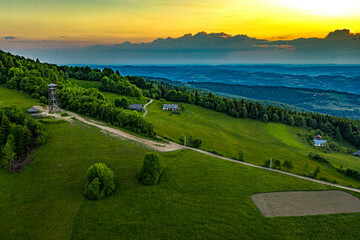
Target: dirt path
x: 171, y: 146
x: 158, y: 146
x: 146, y: 111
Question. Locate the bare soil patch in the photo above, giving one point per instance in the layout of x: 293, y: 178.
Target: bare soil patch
x: 303, y: 203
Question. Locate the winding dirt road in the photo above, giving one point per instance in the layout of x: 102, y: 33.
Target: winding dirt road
x: 146, y: 111
x: 171, y: 146
x: 158, y: 146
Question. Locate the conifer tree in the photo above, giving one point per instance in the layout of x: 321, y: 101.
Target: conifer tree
x: 4, y: 129
x: 8, y: 150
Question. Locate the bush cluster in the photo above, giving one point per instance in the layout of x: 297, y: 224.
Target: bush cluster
x: 151, y: 170
x: 191, y: 141
x: 100, y: 181
x: 122, y: 102
x: 19, y: 133
x: 276, y: 164
x: 319, y: 158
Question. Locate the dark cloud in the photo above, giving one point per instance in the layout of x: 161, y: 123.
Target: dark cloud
x: 9, y: 38
x: 340, y: 46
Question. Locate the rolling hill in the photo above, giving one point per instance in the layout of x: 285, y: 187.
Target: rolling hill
x: 198, y: 196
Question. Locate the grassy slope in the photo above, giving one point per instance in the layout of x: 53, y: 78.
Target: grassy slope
x: 258, y: 140
x: 110, y: 96
x: 10, y: 97
x: 198, y: 196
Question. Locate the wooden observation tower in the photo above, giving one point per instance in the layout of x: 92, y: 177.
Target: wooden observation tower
x: 54, y: 103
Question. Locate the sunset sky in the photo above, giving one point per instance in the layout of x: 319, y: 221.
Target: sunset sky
x: 64, y: 23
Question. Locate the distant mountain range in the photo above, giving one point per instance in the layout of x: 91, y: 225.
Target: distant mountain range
x: 336, y: 77
x: 327, y: 89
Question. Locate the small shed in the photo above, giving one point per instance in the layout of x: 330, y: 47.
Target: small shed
x: 137, y: 107
x: 319, y: 143
x: 34, y: 112
x: 357, y: 154
x: 170, y: 107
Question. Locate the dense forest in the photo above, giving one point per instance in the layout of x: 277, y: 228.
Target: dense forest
x: 19, y: 134
x: 33, y: 77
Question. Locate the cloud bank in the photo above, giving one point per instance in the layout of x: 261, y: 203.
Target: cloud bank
x: 339, y: 47
x: 9, y: 38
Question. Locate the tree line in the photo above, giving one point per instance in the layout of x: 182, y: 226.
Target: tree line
x: 339, y: 127
x: 19, y: 133
x: 32, y: 77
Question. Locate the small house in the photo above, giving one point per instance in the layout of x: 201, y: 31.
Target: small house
x: 319, y: 143
x: 357, y: 154
x: 34, y: 112
x: 170, y: 107
x: 137, y: 107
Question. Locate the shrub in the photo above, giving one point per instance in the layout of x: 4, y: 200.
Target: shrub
x: 151, y: 170
x: 287, y: 164
x: 100, y: 181
x: 266, y: 163
x: 319, y: 158
x: 191, y: 141
x: 122, y: 102
x: 241, y: 156
x: 43, y: 100
x: 275, y: 163
x: 217, y: 153
x: 315, y: 173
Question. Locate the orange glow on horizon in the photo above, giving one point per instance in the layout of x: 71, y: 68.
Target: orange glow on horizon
x: 59, y: 24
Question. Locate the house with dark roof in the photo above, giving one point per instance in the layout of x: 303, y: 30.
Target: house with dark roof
x: 137, y: 107
x: 170, y: 107
x: 357, y: 154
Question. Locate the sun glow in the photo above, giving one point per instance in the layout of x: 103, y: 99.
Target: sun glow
x: 324, y: 7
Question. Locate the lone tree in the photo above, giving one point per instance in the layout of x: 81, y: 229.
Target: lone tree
x: 151, y: 170
x: 100, y: 181
x: 241, y: 156
x: 8, y: 151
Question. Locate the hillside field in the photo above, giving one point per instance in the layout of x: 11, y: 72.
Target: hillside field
x: 198, y: 197
x: 259, y: 141
x: 110, y: 96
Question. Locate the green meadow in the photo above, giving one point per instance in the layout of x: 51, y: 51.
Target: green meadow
x: 259, y: 141
x: 198, y: 197
x: 10, y: 97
